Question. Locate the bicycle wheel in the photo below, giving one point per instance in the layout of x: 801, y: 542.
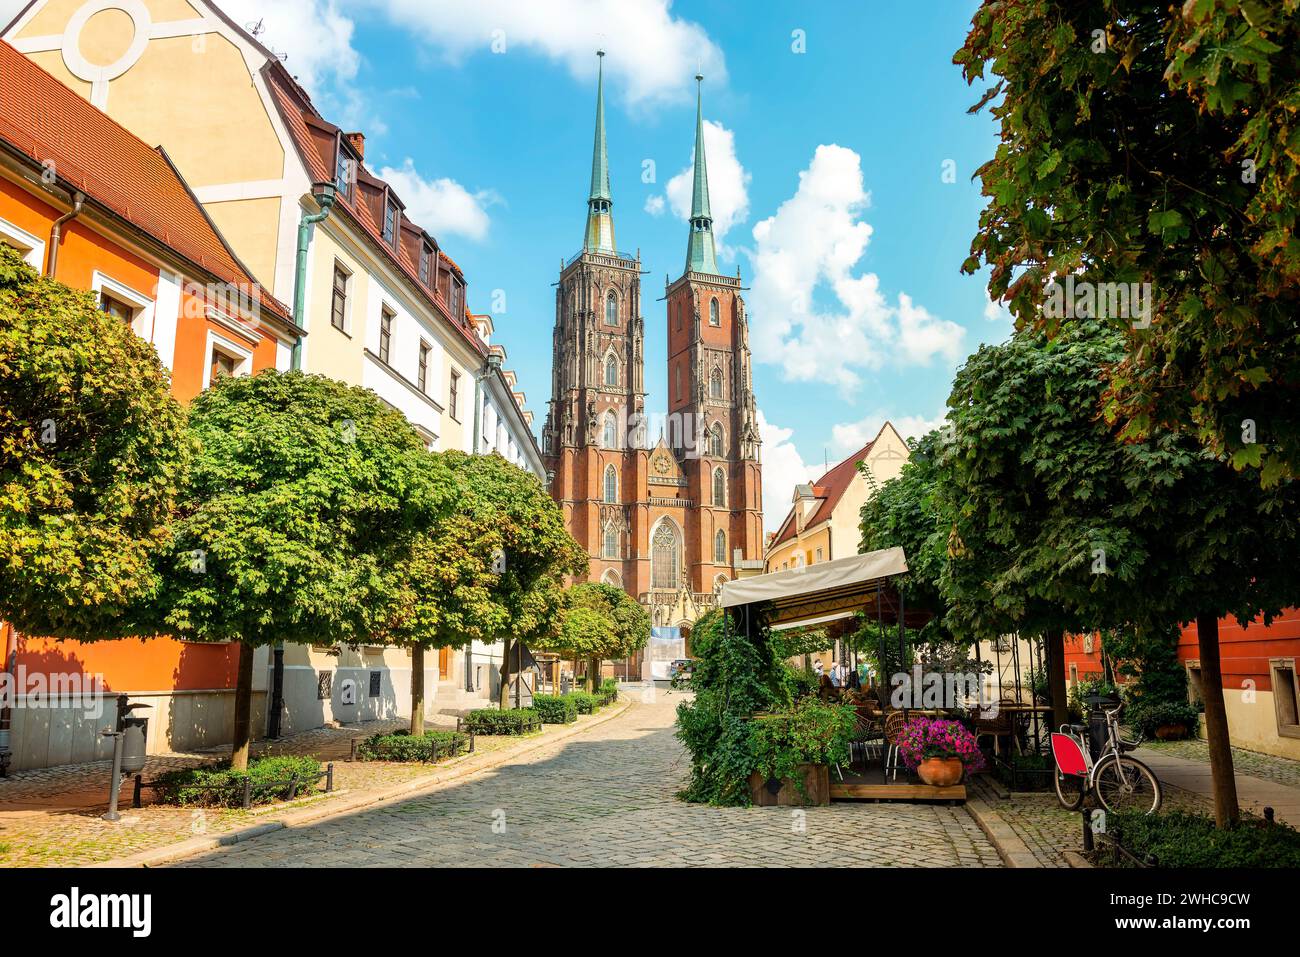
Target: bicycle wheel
x: 1070, y: 789
x: 1126, y: 784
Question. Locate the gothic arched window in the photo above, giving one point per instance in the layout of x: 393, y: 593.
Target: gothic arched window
x: 715, y: 440
x: 611, y: 309
x: 612, y: 577
x: 677, y: 308
x: 611, y: 371
x: 609, y: 542
x: 611, y: 431
x: 611, y: 484
x: 715, y: 318
x: 665, y: 562
x: 715, y: 384
x: 720, y: 548
x: 719, y: 487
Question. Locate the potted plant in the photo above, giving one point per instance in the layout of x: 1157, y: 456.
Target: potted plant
x: 939, y: 750
x: 790, y: 754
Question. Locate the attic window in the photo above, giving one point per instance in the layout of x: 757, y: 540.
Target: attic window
x: 455, y: 302
x: 390, y: 223
x: 344, y: 174
x: 426, y: 261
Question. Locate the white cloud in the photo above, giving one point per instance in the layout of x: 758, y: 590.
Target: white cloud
x: 654, y: 205
x: 848, y: 437
x: 995, y: 311
x: 652, y: 54
x: 783, y: 469
x: 728, y: 184
x: 813, y: 242
x: 315, y: 34
x: 442, y: 206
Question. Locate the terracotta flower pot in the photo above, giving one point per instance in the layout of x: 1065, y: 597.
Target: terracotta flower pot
x: 940, y: 772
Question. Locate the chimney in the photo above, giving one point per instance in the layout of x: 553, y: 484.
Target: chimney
x: 358, y: 141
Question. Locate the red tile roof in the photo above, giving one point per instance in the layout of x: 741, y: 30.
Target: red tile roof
x: 314, y: 137
x: 829, y: 489
x: 48, y: 123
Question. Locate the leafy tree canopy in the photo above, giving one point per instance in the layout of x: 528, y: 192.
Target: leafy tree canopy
x: 1149, y: 142
x: 532, y: 551
x: 629, y: 622
x: 303, y: 495
x: 92, y: 450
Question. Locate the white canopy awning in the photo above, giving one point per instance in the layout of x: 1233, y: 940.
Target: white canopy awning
x: 818, y: 593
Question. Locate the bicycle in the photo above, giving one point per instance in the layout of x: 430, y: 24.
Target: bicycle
x: 1120, y: 782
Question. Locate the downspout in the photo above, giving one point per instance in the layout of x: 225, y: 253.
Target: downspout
x: 56, y: 234
x: 325, y: 194
x: 492, y: 363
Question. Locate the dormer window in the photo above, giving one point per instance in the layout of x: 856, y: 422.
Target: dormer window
x: 344, y: 175
x: 426, y: 263
x: 390, y: 223
x: 454, y: 303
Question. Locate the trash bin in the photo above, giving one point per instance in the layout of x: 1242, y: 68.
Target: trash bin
x: 135, y: 732
x: 1098, y: 705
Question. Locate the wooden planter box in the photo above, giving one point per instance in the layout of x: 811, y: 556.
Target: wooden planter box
x: 816, y: 783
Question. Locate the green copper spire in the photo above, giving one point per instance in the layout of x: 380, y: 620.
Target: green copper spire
x: 700, y: 255
x: 600, y: 218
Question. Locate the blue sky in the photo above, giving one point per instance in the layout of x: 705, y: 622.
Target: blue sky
x: 826, y: 169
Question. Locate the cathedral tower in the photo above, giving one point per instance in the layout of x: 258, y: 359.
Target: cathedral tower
x: 592, y: 442
x: 710, y: 390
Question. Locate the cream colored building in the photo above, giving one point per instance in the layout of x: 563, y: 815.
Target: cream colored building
x: 824, y: 520
x: 383, y: 305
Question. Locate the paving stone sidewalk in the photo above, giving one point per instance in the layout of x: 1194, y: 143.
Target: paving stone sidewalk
x: 51, y: 817
x: 607, y: 798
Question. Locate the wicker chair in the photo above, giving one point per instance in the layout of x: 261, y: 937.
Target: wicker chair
x: 894, y: 723
x: 1001, y: 725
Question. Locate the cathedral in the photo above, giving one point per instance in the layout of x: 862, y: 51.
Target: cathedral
x: 669, y: 507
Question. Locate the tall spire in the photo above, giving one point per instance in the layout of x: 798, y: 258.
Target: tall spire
x: 700, y: 254
x: 600, y: 217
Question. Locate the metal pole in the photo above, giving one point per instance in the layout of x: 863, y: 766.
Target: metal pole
x: 116, y: 784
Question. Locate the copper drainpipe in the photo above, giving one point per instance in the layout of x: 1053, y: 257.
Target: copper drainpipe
x: 56, y: 234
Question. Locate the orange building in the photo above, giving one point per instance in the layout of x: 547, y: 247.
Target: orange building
x: 1261, y: 691
x: 89, y: 204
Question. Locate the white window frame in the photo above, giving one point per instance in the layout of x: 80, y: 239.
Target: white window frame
x: 34, y: 245
x: 242, y: 353
x: 142, y: 304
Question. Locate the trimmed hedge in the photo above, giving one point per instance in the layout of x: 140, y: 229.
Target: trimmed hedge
x: 406, y: 747
x: 556, y: 709
x: 495, y: 721
x: 585, y: 703
x: 1181, y: 840
x: 222, y: 786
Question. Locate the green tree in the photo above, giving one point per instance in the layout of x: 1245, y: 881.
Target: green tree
x: 1149, y: 142
x: 304, y: 494
x: 92, y: 450
x: 1064, y: 527
x: 533, y: 552
x: 628, y: 627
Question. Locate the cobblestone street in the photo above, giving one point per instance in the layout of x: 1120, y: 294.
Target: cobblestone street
x: 607, y: 798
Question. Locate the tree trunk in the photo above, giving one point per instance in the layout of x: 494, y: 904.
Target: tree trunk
x: 417, y: 690
x: 1226, y: 810
x: 503, y: 696
x: 593, y: 674
x: 1055, y: 640
x: 243, y: 708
